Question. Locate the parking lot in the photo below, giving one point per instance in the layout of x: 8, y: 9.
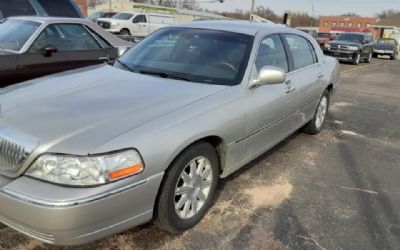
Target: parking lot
x: 336, y: 190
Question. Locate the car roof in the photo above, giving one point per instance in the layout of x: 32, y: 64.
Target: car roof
x: 245, y: 27
x: 41, y: 19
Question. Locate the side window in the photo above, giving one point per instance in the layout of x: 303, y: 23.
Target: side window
x: 99, y: 38
x: 65, y: 37
x: 302, y: 52
x: 139, y: 19
x: 272, y: 53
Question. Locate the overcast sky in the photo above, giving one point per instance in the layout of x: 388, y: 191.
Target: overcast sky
x: 322, y: 7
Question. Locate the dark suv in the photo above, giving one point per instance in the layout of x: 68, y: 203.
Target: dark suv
x: 351, y: 47
x: 59, y: 8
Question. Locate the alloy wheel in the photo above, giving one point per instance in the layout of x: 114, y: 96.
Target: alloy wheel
x: 193, y: 187
x: 321, y: 112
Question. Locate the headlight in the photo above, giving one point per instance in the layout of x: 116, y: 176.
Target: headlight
x: 353, y: 48
x: 86, y: 170
x: 114, y: 25
x: 327, y: 46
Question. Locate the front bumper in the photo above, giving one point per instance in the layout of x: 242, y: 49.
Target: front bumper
x: 342, y: 55
x: 73, y: 221
x: 383, y: 52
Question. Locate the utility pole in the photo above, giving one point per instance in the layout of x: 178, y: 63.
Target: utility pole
x: 253, y: 4
x: 109, y: 6
x: 313, y: 13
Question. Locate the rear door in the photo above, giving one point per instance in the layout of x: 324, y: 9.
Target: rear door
x: 76, y: 47
x: 308, y: 72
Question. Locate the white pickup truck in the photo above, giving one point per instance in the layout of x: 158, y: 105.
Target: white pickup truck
x: 135, y: 24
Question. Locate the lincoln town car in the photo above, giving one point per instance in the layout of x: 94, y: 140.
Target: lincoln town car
x: 94, y: 151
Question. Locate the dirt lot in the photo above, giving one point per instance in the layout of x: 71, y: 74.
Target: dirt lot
x: 337, y: 190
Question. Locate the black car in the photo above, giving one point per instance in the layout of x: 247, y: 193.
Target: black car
x: 31, y: 47
x: 386, y: 47
x: 351, y: 47
x: 59, y: 8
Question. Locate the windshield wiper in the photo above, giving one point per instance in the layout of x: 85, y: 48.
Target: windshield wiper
x: 125, y: 65
x: 164, y: 75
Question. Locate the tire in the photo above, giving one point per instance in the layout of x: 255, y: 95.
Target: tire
x: 357, y: 58
x: 375, y: 56
x: 315, y: 126
x: 178, y: 220
x: 369, y: 58
x: 125, y: 32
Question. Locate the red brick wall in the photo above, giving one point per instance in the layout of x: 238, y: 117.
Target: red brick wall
x: 82, y: 5
x: 354, y: 24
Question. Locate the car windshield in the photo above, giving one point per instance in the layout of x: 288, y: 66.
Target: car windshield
x: 95, y: 15
x: 386, y: 41
x: 324, y: 35
x: 15, y: 33
x: 354, y: 38
x: 123, y: 16
x: 197, y: 55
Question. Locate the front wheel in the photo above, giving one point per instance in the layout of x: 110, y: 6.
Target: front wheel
x: 356, y: 59
x: 188, y: 188
x: 125, y: 32
x: 369, y: 58
x: 315, y: 125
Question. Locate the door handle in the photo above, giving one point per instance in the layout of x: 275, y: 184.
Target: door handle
x: 320, y: 75
x: 290, y: 89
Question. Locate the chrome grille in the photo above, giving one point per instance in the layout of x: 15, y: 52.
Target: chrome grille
x: 15, y: 148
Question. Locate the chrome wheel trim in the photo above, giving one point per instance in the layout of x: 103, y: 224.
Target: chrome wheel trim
x: 321, y: 112
x: 193, y: 187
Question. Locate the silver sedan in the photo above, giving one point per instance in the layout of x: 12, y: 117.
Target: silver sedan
x: 96, y: 151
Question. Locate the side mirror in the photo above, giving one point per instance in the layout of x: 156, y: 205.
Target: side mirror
x: 135, y: 21
x: 269, y: 75
x: 48, y: 50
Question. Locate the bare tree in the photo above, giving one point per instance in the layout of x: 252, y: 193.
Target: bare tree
x: 387, y: 13
x: 267, y: 13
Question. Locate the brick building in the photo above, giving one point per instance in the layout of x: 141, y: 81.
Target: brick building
x: 82, y: 5
x: 346, y: 24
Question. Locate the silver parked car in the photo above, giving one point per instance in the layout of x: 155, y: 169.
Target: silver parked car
x: 96, y: 151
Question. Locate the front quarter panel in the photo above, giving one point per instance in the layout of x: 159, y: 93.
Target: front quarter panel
x: 160, y: 141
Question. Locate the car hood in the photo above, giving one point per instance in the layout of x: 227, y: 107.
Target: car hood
x: 344, y: 43
x: 80, y: 110
x: 384, y: 46
x: 111, y: 20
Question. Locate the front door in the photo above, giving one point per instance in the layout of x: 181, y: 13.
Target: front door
x: 270, y: 109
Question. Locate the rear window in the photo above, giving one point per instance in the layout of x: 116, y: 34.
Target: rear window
x: 16, y: 8
x: 62, y: 8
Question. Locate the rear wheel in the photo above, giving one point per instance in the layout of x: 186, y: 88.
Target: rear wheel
x: 188, y: 188
x: 318, y: 121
